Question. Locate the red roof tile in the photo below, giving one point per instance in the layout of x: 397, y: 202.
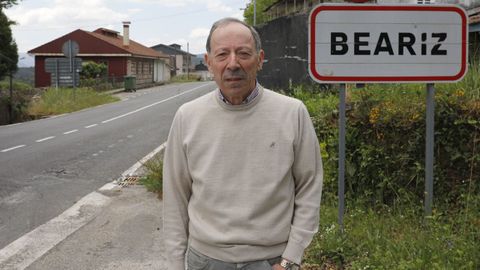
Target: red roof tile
x: 98, y: 43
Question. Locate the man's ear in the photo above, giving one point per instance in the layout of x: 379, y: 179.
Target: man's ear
x: 205, y: 56
x: 261, y: 57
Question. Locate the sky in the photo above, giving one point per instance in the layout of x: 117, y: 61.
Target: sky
x: 152, y: 21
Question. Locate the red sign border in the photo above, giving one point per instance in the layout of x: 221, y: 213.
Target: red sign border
x: 360, y: 7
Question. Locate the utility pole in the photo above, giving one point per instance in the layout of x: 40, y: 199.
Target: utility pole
x: 188, y: 61
x: 10, y: 104
x: 254, y: 12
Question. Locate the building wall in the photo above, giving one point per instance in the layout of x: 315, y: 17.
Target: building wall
x: 116, y: 68
x: 161, y: 71
x: 142, y: 69
x: 179, y: 64
x: 42, y: 78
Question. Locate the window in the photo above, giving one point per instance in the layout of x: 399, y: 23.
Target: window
x: 425, y: 2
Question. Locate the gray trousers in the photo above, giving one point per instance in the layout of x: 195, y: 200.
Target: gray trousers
x: 198, y: 261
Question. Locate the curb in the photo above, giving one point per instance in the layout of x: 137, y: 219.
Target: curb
x: 24, y: 251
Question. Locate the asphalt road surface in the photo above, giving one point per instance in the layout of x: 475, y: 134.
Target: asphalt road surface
x: 49, y: 164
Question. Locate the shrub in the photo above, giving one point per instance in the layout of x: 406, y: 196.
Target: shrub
x: 21, y: 95
x: 92, y: 69
x: 385, y: 142
x: 185, y: 78
x: 153, y: 178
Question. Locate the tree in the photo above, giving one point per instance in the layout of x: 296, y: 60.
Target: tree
x: 261, y: 6
x: 8, y: 47
x: 7, y: 3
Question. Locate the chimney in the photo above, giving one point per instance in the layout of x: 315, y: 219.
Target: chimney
x: 126, y: 33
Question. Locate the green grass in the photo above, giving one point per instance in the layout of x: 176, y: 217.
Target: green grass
x: 65, y: 100
x: 383, y: 239
x: 184, y: 78
x: 152, y: 179
x: 16, y: 86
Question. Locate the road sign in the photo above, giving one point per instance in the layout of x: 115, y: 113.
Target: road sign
x: 387, y: 43
x: 70, y: 49
x: 59, y: 68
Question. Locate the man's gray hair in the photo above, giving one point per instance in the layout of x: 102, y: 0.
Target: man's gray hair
x: 226, y: 21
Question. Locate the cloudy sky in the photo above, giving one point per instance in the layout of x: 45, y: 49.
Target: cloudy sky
x: 152, y: 21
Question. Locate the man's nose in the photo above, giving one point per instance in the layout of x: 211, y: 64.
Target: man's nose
x: 233, y: 61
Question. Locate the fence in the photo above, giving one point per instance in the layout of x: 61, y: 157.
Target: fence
x: 103, y: 83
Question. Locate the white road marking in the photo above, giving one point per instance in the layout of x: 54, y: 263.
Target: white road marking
x: 45, y: 139
x: 27, y: 249
x: 151, y: 105
x: 13, y: 148
x: 140, y: 163
x: 70, y: 132
x: 24, y: 251
x: 94, y: 125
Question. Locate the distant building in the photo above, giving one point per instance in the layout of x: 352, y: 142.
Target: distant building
x: 122, y: 56
x: 180, y: 60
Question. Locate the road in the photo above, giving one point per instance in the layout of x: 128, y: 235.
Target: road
x: 47, y: 165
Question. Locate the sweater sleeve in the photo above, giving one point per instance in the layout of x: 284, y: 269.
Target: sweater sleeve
x: 308, y: 176
x: 176, y: 195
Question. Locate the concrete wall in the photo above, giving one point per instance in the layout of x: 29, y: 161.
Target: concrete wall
x: 161, y: 71
x: 285, y: 41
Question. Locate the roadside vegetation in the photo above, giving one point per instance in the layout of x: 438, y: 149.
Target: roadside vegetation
x: 384, y: 227
x: 21, y: 95
x: 152, y: 180
x: 64, y: 100
x: 384, y: 223
x: 184, y: 78
x: 29, y: 103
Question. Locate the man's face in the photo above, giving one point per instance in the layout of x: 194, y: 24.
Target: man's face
x: 234, y: 61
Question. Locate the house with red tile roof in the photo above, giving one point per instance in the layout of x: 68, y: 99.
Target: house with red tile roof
x: 123, y: 56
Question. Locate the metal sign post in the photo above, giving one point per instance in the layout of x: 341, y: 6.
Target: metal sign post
x: 341, y: 156
x: 429, y: 147
x: 70, y: 49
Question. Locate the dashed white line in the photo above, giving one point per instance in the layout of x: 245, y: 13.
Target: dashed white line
x: 13, y: 148
x: 45, y: 139
x: 153, y: 104
x: 94, y: 125
x: 70, y: 132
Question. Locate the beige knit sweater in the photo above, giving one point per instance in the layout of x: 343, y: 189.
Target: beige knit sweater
x: 241, y: 183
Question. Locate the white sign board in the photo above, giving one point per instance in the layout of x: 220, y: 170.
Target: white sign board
x: 387, y: 43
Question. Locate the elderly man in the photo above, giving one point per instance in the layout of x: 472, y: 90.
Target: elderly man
x: 242, y: 167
